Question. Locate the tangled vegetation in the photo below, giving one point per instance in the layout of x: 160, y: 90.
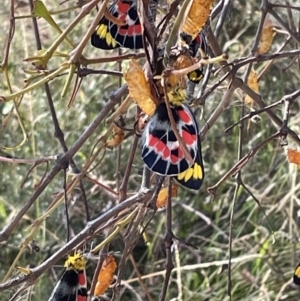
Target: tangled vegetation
x: 72, y: 179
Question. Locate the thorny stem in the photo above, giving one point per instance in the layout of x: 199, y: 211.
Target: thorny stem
x: 4, y: 234
x: 119, y: 225
x: 82, y: 236
x: 57, y: 129
x: 236, y: 82
x: 238, y: 63
x: 76, y: 53
x: 202, y: 61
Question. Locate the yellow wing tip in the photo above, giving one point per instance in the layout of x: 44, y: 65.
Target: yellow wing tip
x: 194, y: 172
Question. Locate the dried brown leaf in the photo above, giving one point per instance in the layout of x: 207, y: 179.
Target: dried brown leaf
x: 139, y: 88
x: 197, y: 17
x: 163, y: 196
x: 118, y: 137
x: 252, y: 82
x: 266, y: 39
x: 294, y: 156
x: 106, y: 275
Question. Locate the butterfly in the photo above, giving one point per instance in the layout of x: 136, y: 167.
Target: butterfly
x: 297, y: 275
x: 197, y: 45
x: 72, y: 285
x: 161, y: 151
x: 109, y: 35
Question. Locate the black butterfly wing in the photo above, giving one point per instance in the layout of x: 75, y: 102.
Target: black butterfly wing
x: 109, y: 35
x: 66, y: 288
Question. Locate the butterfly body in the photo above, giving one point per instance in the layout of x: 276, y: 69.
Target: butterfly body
x: 72, y: 285
x: 197, y: 45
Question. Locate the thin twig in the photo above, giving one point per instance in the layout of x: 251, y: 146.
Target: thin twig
x: 168, y: 243
x: 4, y: 234
x: 289, y: 98
x: 235, y: 194
x: 123, y: 186
x: 241, y: 163
x: 82, y: 236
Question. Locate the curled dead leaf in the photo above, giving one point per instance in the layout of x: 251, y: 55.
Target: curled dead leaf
x: 118, y: 137
x: 252, y: 82
x: 196, y: 17
x: 179, y: 62
x: 139, y: 88
x: 294, y: 156
x: 163, y: 196
x: 106, y: 275
x: 267, y: 35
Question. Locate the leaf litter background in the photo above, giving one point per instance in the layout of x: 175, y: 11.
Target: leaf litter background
x: 260, y: 270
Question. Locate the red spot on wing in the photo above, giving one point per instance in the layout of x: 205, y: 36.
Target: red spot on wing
x: 188, y: 138
x: 152, y: 140
x: 174, y: 159
x: 157, y: 144
x: 122, y: 18
x: 136, y: 29
x: 81, y: 298
x: 123, y: 7
x: 166, y: 153
x: 81, y: 279
x: 160, y: 146
x: 198, y: 39
x: 131, y: 30
x: 184, y: 116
